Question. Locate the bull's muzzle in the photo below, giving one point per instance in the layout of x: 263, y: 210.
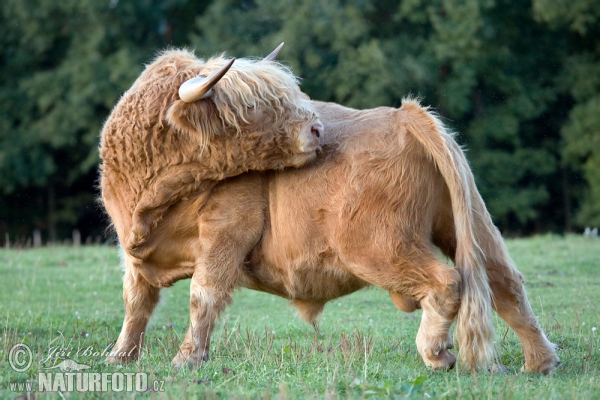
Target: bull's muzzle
x: 317, y: 129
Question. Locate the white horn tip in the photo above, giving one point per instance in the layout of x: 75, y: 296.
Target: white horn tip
x: 187, y: 89
x: 201, y: 87
x: 274, y: 53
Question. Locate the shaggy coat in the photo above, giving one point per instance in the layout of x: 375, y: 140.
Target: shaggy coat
x: 157, y: 149
x: 390, y: 187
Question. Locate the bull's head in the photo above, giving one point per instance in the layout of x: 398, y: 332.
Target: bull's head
x: 256, y: 104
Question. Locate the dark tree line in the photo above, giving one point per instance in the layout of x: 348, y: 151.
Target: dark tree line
x: 519, y: 80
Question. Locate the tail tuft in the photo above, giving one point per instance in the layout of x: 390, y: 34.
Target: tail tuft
x: 474, y: 332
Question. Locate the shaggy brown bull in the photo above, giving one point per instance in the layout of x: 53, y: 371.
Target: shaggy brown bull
x: 390, y: 186
x: 186, y: 124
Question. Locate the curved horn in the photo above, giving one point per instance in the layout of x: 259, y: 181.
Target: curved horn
x: 200, y: 86
x: 274, y: 53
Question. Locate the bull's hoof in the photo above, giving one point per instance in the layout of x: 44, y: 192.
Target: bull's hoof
x: 444, y: 361
x: 191, y: 362
x: 498, y: 369
x: 544, y: 367
x: 437, y: 356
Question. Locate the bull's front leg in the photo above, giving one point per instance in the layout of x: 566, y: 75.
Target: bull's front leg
x: 140, y: 299
x: 215, y: 277
x: 228, y: 231
x: 208, y: 297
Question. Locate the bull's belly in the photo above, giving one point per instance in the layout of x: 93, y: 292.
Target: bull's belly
x: 313, y: 281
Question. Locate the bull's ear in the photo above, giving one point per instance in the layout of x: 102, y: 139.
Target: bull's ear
x: 199, y: 119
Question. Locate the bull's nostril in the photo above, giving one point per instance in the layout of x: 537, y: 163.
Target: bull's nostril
x: 315, y: 132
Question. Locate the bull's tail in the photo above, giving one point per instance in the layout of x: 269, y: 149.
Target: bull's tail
x: 474, y: 328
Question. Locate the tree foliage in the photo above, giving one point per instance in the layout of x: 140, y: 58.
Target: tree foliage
x: 580, y: 79
x: 519, y: 80
x: 64, y: 65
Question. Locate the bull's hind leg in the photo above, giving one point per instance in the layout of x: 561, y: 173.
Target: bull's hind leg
x: 434, y: 287
x: 439, y: 300
x: 140, y: 299
x: 420, y: 279
x: 510, y: 299
x: 227, y: 231
x: 511, y: 303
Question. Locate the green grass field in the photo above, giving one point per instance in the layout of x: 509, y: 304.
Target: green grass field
x: 70, y: 298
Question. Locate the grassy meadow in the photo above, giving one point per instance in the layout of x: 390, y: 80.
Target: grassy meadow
x: 71, y: 298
